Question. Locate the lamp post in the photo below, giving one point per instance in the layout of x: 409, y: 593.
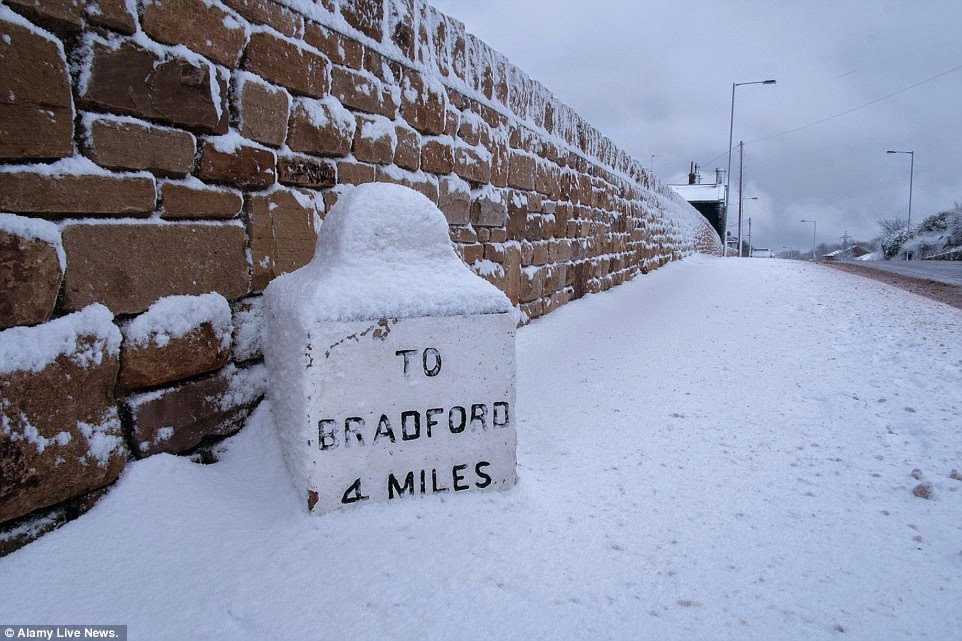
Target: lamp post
x: 651, y: 165
x: 908, y: 227
x: 814, y: 227
x: 731, y: 129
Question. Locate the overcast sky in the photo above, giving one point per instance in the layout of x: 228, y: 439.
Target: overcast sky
x: 656, y: 77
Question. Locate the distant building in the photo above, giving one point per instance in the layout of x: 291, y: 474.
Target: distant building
x: 850, y: 253
x: 707, y: 198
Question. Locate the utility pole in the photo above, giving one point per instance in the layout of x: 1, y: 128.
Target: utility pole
x: 845, y: 238
x: 728, y: 173
x: 741, y: 167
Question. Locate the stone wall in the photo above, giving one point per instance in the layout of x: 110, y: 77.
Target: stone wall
x: 162, y: 160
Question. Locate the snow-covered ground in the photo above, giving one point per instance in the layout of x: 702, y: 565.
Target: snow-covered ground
x: 722, y: 449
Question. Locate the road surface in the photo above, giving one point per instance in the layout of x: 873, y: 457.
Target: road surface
x: 936, y: 279
x: 943, y: 271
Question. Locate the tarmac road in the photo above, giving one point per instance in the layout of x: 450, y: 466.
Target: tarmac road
x: 939, y: 280
x: 942, y: 271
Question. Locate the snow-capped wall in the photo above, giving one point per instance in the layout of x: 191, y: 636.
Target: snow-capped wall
x: 159, y: 148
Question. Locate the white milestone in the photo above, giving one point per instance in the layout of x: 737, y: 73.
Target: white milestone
x: 391, y: 364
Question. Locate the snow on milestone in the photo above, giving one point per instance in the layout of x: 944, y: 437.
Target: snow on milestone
x: 383, y: 251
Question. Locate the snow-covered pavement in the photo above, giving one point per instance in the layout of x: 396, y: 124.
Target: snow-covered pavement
x: 722, y: 449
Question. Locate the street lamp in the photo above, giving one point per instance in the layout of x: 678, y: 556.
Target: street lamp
x: 652, y: 165
x: 731, y: 129
x: 814, y: 227
x: 908, y: 229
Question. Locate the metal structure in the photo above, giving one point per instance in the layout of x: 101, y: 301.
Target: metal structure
x: 731, y: 129
x: 908, y: 226
x: 814, y: 227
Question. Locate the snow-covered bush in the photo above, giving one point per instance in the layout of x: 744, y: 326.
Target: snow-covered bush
x: 894, y: 235
x: 938, y: 235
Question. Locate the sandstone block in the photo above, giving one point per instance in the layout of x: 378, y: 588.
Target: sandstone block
x: 407, y: 155
x: 365, y: 16
x: 539, y: 253
x: 330, y: 198
x: 283, y: 63
x: 36, y: 108
x: 458, y: 58
x: 527, y: 252
x: 403, y: 36
x: 517, y: 215
x: 62, y: 17
x: 282, y: 234
x: 559, y: 251
x: 354, y: 173
x: 30, y: 270
x: 489, y: 209
x: 534, y: 228
x: 156, y: 261
x: 61, y: 433
x: 580, y: 279
x: 522, y: 171
x: 493, y: 274
x: 532, y: 310
x: 386, y: 70
x: 270, y: 13
x: 532, y: 283
x: 492, y: 118
x: 113, y: 14
x: 191, y: 199
x: 494, y: 252
x: 133, y: 146
x: 423, y: 105
x: 500, y: 161
x: 462, y: 234
x: 548, y: 180
x: 306, y: 171
x: 244, y: 165
x: 262, y: 111
x: 471, y: 128
x: 362, y: 91
x: 200, y: 26
x: 375, y: 140
x: 66, y: 17
x: 340, y: 50
x: 551, y: 303
x: 454, y: 201
x: 437, y: 156
x: 133, y: 81
x: 512, y: 272
x: 176, y: 338
x: 471, y: 165
x: 440, y: 38
x: 56, y: 196
x: 321, y: 127
x: 452, y: 120
x: 552, y: 280
x: 179, y: 419
x: 562, y: 214
x: 471, y: 254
